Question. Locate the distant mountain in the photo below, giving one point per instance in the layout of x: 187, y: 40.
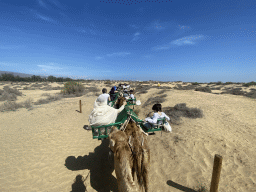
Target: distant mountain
x: 19, y: 74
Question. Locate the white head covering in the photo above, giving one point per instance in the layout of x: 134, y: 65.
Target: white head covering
x: 100, y: 101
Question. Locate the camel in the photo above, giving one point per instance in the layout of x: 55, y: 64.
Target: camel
x: 131, y: 156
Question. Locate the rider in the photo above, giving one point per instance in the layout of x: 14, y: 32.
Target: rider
x: 112, y: 92
x: 107, y: 96
x: 102, y: 114
x: 158, y: 114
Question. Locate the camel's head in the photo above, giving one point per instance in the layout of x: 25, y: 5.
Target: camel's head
x: 115, y: 137
x: 120, y: 102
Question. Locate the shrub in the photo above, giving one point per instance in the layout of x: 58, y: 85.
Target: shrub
x: 14, y: 91
x: 161, y: 92
x: 28, y: 103
x: 203, y: 89
x: 107, y: 82
x: 219, y: 83
x: 249, y: 84
x: 72, y: 87
x: 189, y: 87
x: 228, y: 83
x: 49, y: 99
x: 141, y: 89
x: 195, y: 83
x: 45, y: 94
x: 10, y: 106
x: 181, y: 110
x: 251, y: 94
x: 8, y: 96
x: 92, y: 90
x: 155, y: 100
x: 36, y: 85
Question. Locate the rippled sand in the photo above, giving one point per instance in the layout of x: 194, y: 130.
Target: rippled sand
x: 35, y: 145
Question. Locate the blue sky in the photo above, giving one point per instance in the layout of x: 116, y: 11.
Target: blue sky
x: 178, y: 40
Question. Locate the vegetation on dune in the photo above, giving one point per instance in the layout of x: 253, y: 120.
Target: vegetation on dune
x: 72, y: 87
x: 203, y: 89
x: 13, y: 106
x: 249, y: 84
x: 155, y: 100
x: 108, y: 82
x: 49, y: 99
x: 181, y: 110
x: 9, y: 94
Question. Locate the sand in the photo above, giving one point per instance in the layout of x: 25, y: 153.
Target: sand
x: 36, y: 143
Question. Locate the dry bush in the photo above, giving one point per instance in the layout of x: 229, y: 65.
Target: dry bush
x: 10, y: 106
x: 73, y: 87
x: 14, y: 91
x: 189, y: 87
x: 141, y: 89
x: 203, y: 89
x: 161, y: 92
x: 8, y: 96
x: 49, y: 99
x: 45, y: 94
x: 155, y: 100
x: 28, y: 103
x: 215, y: 88
x: 92, y: 90
x: 108, y: 82
x: 23, y: 83
x: 47, y: 88
x: 251, y: 94
x: 236, y: 91
x: 36, y: 85
x: 249, y: 84
x: 56, y: 88
x: 181, y: 110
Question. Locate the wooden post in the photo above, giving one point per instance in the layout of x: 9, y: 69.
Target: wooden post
x: 80, y: 104
x: 216, y: 173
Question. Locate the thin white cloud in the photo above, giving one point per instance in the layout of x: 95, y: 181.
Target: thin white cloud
x: 44, y: 18
x: 118, y: 54
x: 157, y: 25
x: 98, y: 58
x: 42, y: 4
x: 136, y: 36
x: 188, y: 40
x: 9, y: 47
x: 57, y: 4
x: 183, y: 27
x: 134, y: 26
x: 49, y: 67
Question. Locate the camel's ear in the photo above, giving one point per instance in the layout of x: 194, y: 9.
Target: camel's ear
x: 112, y: 144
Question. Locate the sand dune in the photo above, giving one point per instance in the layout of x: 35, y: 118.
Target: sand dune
x: 36, y: 144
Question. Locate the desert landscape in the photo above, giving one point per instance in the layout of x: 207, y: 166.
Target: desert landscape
x: 45, y: 144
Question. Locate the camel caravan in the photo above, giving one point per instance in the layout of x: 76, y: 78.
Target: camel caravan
x: 113, y: 119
